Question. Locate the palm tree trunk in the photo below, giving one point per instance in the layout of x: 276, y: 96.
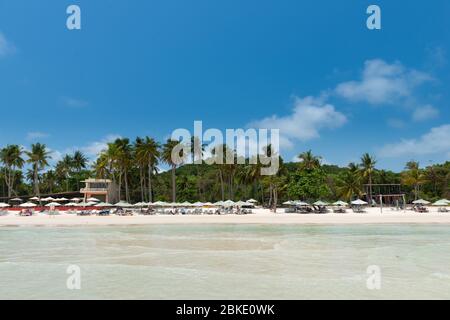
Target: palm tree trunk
x: 120, y: 186
x: 174, y: 190
x: 370, y: 190
x: 141, y: 181
x: 222, y: 187
x: 150, y: 191
x: 127, y: 195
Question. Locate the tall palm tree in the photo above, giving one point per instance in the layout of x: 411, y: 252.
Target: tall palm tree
x: 367, y: 169
x: 11, y: 156
x: 148, y: 152
x: 101, y: 166
x: 124, y: 161
x: 197, y: 150
x: 173, y: 154
x: 64, y: 169
x: 79, y: 163
x: 38, y: 158
x: 413, y: 177
x: 349, y: 183
x: 309, y: 161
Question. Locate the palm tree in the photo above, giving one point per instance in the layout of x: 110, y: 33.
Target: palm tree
x: 148, y: 152
x: 197, y: 149
x: 123, y: 158
x: 79, y: 163
x: 174, y: 155
x: 309, y: 161
x: 413, y: 177
x: 11, y: 156
x: 38, y: 158
x: 101, y: 166
x: 349, y: 183
x: 367, y: 169
x: 220, y: 153
x: 64, y: 169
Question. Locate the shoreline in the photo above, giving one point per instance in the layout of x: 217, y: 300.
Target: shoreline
x: 259, y: 217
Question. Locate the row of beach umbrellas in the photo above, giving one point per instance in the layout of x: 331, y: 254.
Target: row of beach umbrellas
x: 320, y: 203
x: 439, y: 203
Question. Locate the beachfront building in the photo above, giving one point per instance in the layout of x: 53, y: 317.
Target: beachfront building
x: 102, y: 189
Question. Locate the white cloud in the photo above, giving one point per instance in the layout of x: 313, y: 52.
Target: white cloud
x: 309, y: 116
x: 383, y: 83
x: 436, y: 141
x: 94, y: 148
x: 74, y: 103
x: 396, y: 123
x: 35, y: 135
x: 6, y: 47
x: 425, y: 113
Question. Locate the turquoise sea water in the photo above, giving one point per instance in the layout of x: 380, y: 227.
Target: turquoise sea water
x: 225, y: 262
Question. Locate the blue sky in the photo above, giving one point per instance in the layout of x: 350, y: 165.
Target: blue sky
x: 311, y: 68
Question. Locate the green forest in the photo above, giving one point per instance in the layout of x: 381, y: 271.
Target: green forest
x: 133, y: 166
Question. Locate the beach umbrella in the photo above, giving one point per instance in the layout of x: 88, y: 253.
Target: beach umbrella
x: 242, y: 203
x: 103, y: 204
x: 4, y: 205
x: 198, y: 204
x: 123, y: 204
x: 320, y: 203
x: 75, y: 199
x: 90, y: 203
x: 421, y: 201
x: 53, y: 204
x: 289, y: 203
x: 207, y: 204
x: 186, y: 204
x: 219, y: 203
x: 340, y: 203
x: 48, y: 199
x: 301, y: 203
x: 159, y: 203
x: 16, y: 200
x: 252, y: 201
x: 359, y: 202
x: 71, y: 204
x: 61, y: 199
x: 441, y: 203
x: 34, y: 199
x: 27, y: 205
x: 93, y: 199
x: 140, y: 204
x: 229, y: 203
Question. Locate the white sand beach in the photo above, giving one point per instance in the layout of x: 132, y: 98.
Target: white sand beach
x: 259, y: 216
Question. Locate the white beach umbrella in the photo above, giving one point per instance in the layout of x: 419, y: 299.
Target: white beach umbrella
x: 90, y: 203
x: 207, y: 204
x: 48, y: 199
x: 53, y: 204
x: 34, y: 199
x: 252, y: 201
x: 62, y: 199
x: 27, y: 205
x: 289, y: 203
x: 441, y: 203
x: 301, y: 203
x: 186, y: 204
x: 71, y: 204
x: 340, y: 203
x: 93, y: 199
x: 123, y: 204
x: 4, y: 205
x: 75, y: 199
x: 198, y: 204
x: 229, y: 203
x: 359, y: 202
x: 320, y: 203
x: 140, y: 204
x: 159, y: 203
x: 16, y: 200
x: 218, y: 203
x: 421, y: 201
x: 103, y: 204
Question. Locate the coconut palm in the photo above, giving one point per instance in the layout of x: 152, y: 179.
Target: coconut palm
x: 413, y: 177
x: 79, y: 163
x: 148, y: 153
x: 38, y: 158
x: 11, y: 156
x: 309, y: 161
x: 367, y: 169
x: 349, y: 184
x: 174, y: 155
x: 64, y: 168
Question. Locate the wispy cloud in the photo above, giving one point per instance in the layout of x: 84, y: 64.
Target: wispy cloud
x: 74, y: 102
x: 436, y: 141
x: 426, y: 112
x: 35, y: 135
x: 94, y: 148
x: 6, y: 47
x: 383, y: 83
x: 309, y: 116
